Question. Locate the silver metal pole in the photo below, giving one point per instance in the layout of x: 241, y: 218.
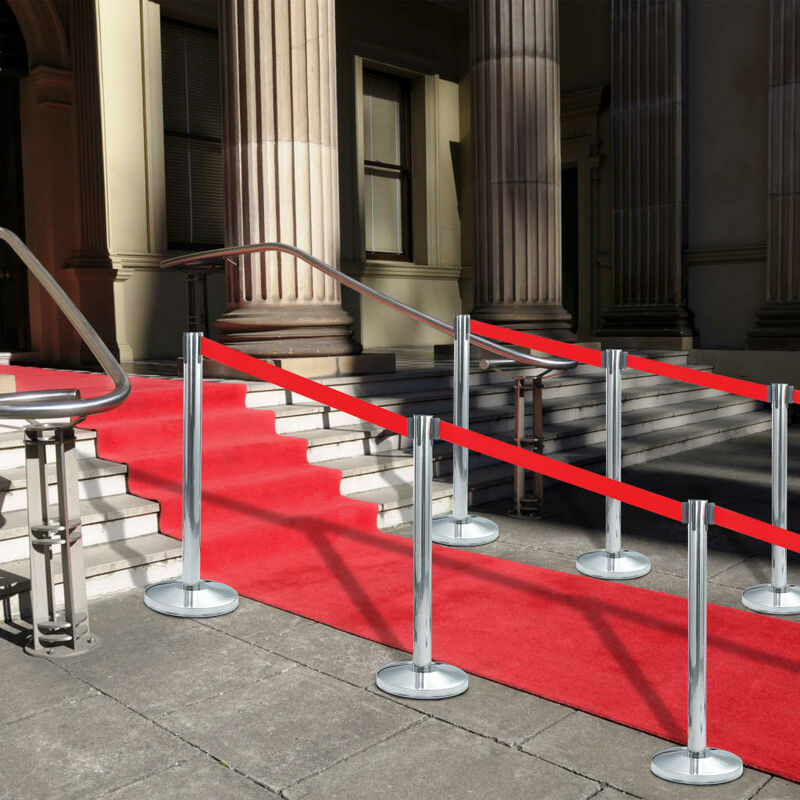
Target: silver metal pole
x: 777, y: 597
x: 190, y: 596
x: 460, y: 529
x: 613, y: 563
x: 422, y: 678
x: 424, y: 431
x: 696, y: 763
x: 192, y: 456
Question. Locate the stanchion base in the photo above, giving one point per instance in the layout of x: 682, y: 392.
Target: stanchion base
x: 207, y: 599
x: 680, y: 766
x: 402, y: 679
x: 625, y: 565
x: 767, y: 600
x: 469, y: 532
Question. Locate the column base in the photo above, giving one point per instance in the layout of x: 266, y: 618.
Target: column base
x: 314, y: 366
x: 270, y: 331
x: 777, y: 328
x: 645, y: 326
x: 541, y: 319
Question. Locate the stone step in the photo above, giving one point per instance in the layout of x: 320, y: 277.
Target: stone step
x: 396, y: 503
x: 299, y: 417
x: 112, y: 567
x: 377, y: 470
x: 97, y: 477
x: 12, y: 447
x: 104, y: 520
x: 399, y: 384
x: 492, y: 481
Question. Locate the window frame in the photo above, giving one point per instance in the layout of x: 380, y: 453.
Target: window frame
x: 404, y: 168
x: 173, y: 134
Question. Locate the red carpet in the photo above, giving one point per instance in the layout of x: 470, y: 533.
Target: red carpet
x: 277, y: 530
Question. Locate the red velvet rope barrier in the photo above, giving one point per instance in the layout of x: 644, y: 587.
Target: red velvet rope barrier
x: 307, y: 388
x: 577, y: 476
x: 588, y: 355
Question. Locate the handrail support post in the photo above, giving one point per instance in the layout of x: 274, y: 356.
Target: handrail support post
x: 697, y: 764
x: 613, y: 563
x: 422, y: 677
x: 190, y: 596
x: 462, y: 529
x: 777, y: 596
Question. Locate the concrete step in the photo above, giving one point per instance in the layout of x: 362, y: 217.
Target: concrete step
x: 104, y: 520
x: 12, y: 447
x: 395, y: 503
x: 399, y: 384
x: 97, y: 477
x: 490, y: 481
x: 300, y: 417
x: 113, y: 567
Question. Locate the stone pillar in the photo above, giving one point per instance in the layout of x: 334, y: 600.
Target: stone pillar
x: 778, y: 322
x: 281, y: 178
x: 648, y: 99
x: 517, y: 151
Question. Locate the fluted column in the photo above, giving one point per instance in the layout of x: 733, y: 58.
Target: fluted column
x: 778, y: 322
x: 648, y: 100
x: 517, y: 150
x: 278, y: 70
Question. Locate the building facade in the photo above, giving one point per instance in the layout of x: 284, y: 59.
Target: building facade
x: 586, y: 169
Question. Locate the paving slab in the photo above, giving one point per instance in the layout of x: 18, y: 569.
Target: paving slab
x: 38, y: 685
x: 197, y: 778
x: 257, y: 623
x: 620, y: 757
x: 499, y: 712
x: 155, y: 664
x: 83, y: 749
x: 779, y: 789
x: 333, y: 652
x: 434, y: 760
x: 283, y: 730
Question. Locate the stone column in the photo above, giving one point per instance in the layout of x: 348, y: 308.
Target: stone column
x: 778, y: 322
x: 648, y: 99
x: 281, y: 179
x: 517, y: 150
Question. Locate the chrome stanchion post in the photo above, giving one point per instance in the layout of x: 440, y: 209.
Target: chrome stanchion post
x: 422, y: 678
x: 190, y: 596
x: 613, y: 563
x: 777, y: 597
x: 461, y: 529
x: 697, y: 764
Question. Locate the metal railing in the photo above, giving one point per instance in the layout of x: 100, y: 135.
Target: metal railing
x: 459, y: 529
x: 54, y: 534
x: 56, y: 403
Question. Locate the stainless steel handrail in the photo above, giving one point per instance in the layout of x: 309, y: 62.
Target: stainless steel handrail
x: 222, y: 253
x: 58, y: 403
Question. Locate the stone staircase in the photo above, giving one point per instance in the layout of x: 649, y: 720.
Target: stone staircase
x: 660, y: 417
x: 123, y: 546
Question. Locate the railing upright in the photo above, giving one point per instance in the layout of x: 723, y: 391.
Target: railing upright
x: 189, y: 596
x: 461, y: 529
x: 613, y: 563
x: 777, y: 597
x: 697, y: 764
x: 422, y: 678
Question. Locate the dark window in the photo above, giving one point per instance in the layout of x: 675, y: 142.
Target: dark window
x: 192, y: 136
x: 387, y: 167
